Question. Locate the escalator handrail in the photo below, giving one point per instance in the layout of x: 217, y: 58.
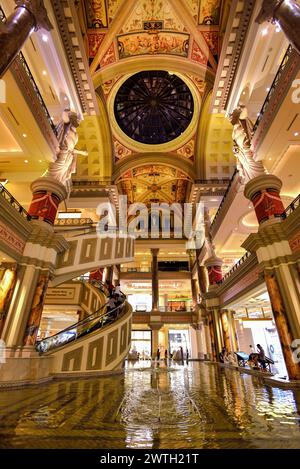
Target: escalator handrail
x: 84, y: 321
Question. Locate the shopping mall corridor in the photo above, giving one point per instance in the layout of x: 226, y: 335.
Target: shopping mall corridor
x: 167, y: 406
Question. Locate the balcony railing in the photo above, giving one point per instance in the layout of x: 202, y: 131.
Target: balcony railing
x: 224, y: 197
x: 235, y: 267
x: 272, y: 90
x: 32, y: 81
x: 292, y: 207
x: 13, y: 202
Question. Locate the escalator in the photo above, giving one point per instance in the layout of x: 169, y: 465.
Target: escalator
x: 96, y: 321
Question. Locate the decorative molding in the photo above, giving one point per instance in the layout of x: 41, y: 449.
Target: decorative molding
x: 70, y: 31
x: 238, y: 24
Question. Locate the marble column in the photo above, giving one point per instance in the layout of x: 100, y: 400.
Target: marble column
x: 193, y: 281
x: 286, y: 14
x: 226, y: 331
x: 155, y: 337
x: 275, y: 257
x: 212, y: 336
x: 282, y: 324
x: 36, y: 310
x: 155, y: 287
x: 28, y: 16
x: 7, y: 285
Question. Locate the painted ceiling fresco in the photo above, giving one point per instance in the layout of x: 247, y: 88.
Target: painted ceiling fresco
x: 153, y: 27
x: 154, y: 184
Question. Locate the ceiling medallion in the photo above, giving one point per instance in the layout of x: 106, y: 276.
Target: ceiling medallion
x: 154, y: 107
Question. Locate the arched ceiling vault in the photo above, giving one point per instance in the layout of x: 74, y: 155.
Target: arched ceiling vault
x: 182, y: 37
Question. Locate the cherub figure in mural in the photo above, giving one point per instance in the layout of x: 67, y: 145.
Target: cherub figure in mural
x: 66, y: 157
x: 248, y: 167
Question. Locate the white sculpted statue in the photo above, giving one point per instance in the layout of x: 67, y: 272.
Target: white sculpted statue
x: 242, y: 133
x: 65, y: 164
x: 208, y: 237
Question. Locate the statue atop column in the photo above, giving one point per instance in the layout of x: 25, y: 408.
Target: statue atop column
x: 286, y: 13
x: 29, y: 16
x: 208, y: 237
x: 66, y: 157
x: 242, y: 133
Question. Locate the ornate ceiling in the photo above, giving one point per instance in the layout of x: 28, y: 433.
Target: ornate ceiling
x: 154, y: 184
x: 154, y: 107
x: 179, y: 37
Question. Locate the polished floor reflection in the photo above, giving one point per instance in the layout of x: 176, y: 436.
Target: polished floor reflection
x: 170, y: 406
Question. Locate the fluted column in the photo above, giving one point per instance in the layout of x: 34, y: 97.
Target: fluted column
x: 29, y: 16
x: 155, y: 287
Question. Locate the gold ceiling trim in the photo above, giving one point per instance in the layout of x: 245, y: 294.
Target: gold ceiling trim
x: 158, y: 62
x: 153, y: 158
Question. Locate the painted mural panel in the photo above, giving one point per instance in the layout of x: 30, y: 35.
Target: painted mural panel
x: 146, y: 11
x: 209, y: 12
x: 95, y: 40
x: 163, y: 42
x: 112, y: 6
x: 96, y: 14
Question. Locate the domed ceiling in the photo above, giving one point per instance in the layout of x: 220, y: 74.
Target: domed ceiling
x: 154, y: 107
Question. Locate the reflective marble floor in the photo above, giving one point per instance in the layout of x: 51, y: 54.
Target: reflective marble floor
x: 174, y: 406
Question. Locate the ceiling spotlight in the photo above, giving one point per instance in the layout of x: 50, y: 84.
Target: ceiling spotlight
x: 296, y: 134
x: 25, y: 135
x: 264, y: 32
x: 44, y: 72
x: 45, y: 38
x: 26, y: 161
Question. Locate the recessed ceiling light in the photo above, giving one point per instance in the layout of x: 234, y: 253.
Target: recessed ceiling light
x: 296, y: 134
x: 26, y: 161
x: 264, y: 32
x: 44, y: 72
x: 40, y: 161
x: 24, y: 135
x: 270, y: 159
x: 45, y: 37
x: 268, y: 89
x: 66, y: 99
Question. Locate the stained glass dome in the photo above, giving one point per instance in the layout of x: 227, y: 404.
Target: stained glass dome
x: 154, y: 107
